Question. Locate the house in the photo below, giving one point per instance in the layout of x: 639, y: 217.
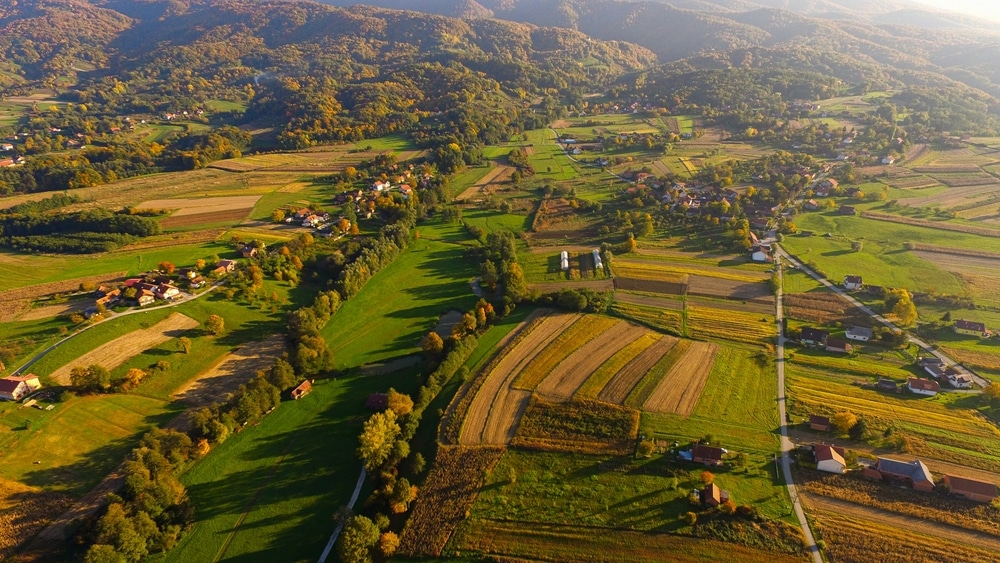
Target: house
x: 813, y: 336
x: 248, y: 251
x: 852, y: 283
x: 821, y: 191
x: 860, y: 333
x: 711, y: 495
x: 16, y: 387
x: 197, y: 282
x: 811, y: 205
x: 302, y: 390
x: 888, y: 160
x: 821, y: 423
x: 110, y: 298
x: 829, y: 184
x: 978, y: 491
x: 913, y: 473
x: 145, y: 297
x: 922, y: 386
x: 761, y: 253
x: 884, y: 384
x: 934, y: 367
x: 838, y: 345
x: 847, y: 210
x: 227, y: 266
x: 829, y: 459
x: 166, y: 291
x: 6, y: 147
x: 971, y: 328
x: 708, y: 455
x: 957, y: 379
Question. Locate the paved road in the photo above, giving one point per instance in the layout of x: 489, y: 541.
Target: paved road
x: 182, y: 298
x: 780, y: 253
x: 336, y: 531
x: 786, y: 444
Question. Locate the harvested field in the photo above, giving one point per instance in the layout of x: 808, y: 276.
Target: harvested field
x: 912, y: 182
x: 679, y: 390
x: 674, y: 271
x: 203, y: 205
x: 661, y: 319
x: 586, y: 329
x: 567, y: 377
x: 647, y: 301
x: 588, y: 427
x: 862, y: 536
x: 729, y: 289
x: 233, y: 370
x: 974, y: 358
x: 760, y: 307
x: 505, y: 414
x: 644, y: 388
x: 958, y: 262
x: 553, y: 287
x: 618, y: 389
x: 492, y: 396
x: 708, y: 323
x: 15, y: 302
x: 445, y: 498
x: 954, y: 169
x: 821, y: 307
x: 672, y: 287
x: 495, y: 176
x: 983, y: 231
x: 24, y: 511
x: 49, y: 311
x: 600, y: 377
x: 119, y: 350
x: 233, y: 216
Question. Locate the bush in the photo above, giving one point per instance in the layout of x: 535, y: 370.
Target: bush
x: 690, y: 518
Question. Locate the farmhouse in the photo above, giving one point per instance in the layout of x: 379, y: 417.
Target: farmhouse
x: 913, y: 473
x: 847, y: 210
x: 829, y: 459
x: 860, y: 333
x: 934, y: 367
x: 16, y: 387
x: 248, y: 251
x: 813, y: 336
x: 302, y: 390
x: 838, y: 345
x: 821, y: 191
x: 821, y: 423
x: 852, y: 283
x: 971, y: 328
x: 145, y: 297
x: 707, y: 455
x: 761, y: 253
x: 957, y: 379
x: 811, y: 205
x: 979, y: 491
x: 922, y: 386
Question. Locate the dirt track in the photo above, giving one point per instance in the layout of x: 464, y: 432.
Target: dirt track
x: 498, y: 174
x: 564, y: 381
x: 492, y: 414
x: 121, y: 349
x: 900, y: 521
x: 618, y: 389
x: 680, y: 388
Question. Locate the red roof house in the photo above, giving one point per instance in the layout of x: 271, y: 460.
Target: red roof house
x: 708, y: 455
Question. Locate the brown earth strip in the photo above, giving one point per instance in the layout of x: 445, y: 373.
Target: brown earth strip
x: 497, y: 383
x: 618, y: 389
x: 728, y: 289
x: 233, y: 216
x: 650, y: 286
x: 49, y: 311
x: 198, y: 206
x: 680, y: 388
x: 596, y: 285
x: 564, y: 381
x: 230, y: 372
x: 119, y: 350
x: 647, y: 301
x: 761, y: 307
x: 902, y: 522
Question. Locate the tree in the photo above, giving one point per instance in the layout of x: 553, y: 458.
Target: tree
x: 432, y: 344
x: 690, y: 518
x: 844, y: 421
x: 399, y: 403
x: 992, y: 392
x: 91, y: 378
x: 103, y: 553
x: 741, y: 459
x: 401, y: 495
x: 167, y: 267
x: 360, y: 535
x: 858, y: 431
x: 277, y: 216
x: 184, y: 343
x: 133, y: 378
x: 417, y: 463
x: 377, y: 439
x: 215, y: 325
x: 199, y: 264
x: 728, y: 507
x: 857, y: 245
x: 707, y: 477
x: 116, y: 529
x: 388, y: 544
x: 644, y: 449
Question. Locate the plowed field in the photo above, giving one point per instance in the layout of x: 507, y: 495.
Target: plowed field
x: 618, y: 389
x: 564, y: 381
x: 679, y: 390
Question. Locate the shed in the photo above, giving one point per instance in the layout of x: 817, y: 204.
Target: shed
x: 838, y: 345
x: 302, y: 390
x: 853, y: 282
x: 979, y: 491
x: 820, y: 423
x: 860, y: 333
x: 829, y: 459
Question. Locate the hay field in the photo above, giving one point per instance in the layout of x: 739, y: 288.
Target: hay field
x: 119, y: 350
x: 231, y: 371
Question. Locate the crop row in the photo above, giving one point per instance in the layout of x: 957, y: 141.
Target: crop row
x: 587, y: 427
x: 730, y: 325
x: 603, y: 374
x: 643, y: 389
x: 645, y: 268
x: 670, y: 321
x: 577, y: 335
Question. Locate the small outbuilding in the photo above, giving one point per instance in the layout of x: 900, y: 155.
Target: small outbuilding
x: 913, y: 473
x: 838, y: 345
x: 970, y: 328
x: 820, y: 423
x: 860, y: 333
x: 302, y: 390
x: 852, y: 283
x: 978, y: 491
x: 829, y: 459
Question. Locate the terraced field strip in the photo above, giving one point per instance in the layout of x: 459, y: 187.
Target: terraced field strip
x: 497, y: 385
x: 658, y: 269
x: 618, y: 389
x: 670, y: 321
x: 648, y: 301
x: 567, y: 377
x: 708, y: 286
x: 597, y: 380
x: 679, y: 390
x: 637, y: 397
x: 587, y: 328
x: 113, y: 354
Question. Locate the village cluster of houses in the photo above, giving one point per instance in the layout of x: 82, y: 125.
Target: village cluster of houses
x: 915, y: 474
x: 156, y: 286
x: 819, y: 338
x: 17, y: 387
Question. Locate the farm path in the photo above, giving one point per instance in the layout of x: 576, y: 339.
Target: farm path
x: 340, y: 526
x: 935, y: 529
x: 886, y: 322
x: 786, y: 444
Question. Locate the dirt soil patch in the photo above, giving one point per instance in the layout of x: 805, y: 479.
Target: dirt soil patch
x: 680, y: 388
x: 121, y: 349
x: 651, y: 286
x: 728, y: 289
x: 553, y: 287
x: 564, y: 381
x: 647, y: 301
x: 761, y: 307
x: 495, y: 176
x: 495, y: 409
x: 824, y: 306
x: 197, y: 206
x: 233, y: 370
x: 233, y: 216
x: 49, y: 311
x: 618, y: 389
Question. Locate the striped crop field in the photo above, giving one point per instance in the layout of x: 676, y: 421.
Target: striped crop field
x: 608, y: 369
x: 644, y: 388
x: 739, y: 326
x: 578, y: 334
x: 674, y: 271
x: 663, y: 319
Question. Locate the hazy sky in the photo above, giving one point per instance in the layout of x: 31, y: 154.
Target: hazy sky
x: 987, y: 8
